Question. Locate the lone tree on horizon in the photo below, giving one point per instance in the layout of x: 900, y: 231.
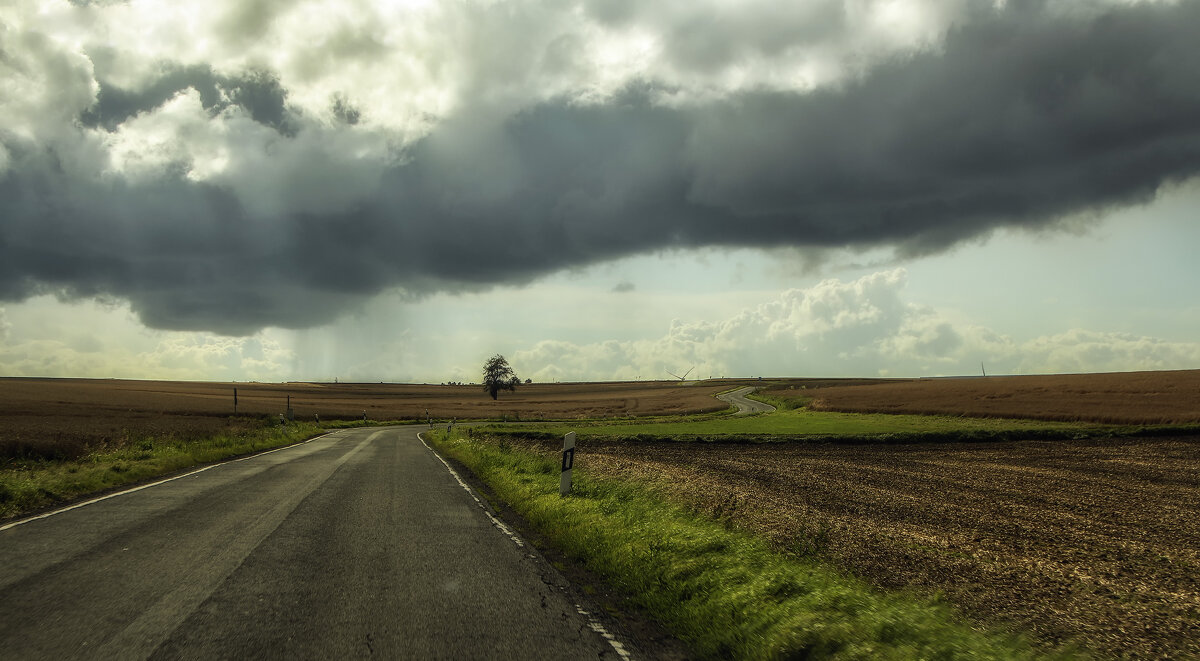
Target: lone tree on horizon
x: 497, y: 376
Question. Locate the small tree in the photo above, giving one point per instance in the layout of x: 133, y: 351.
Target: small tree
x: 497, y: 376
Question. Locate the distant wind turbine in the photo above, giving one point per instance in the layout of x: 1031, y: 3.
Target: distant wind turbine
x: 681, y: 378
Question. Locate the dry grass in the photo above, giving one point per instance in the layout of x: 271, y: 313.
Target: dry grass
x: 1122, y: 398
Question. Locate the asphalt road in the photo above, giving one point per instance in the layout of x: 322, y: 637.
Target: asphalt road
x: 745, y: 406
x: 360, y: 543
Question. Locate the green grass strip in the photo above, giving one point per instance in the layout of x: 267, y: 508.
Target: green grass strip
x: 724, y: 592
x: 798, y: 423
x: 27, y: 486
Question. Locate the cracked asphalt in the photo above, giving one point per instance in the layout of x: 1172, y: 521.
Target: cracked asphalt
x: 357, y: 544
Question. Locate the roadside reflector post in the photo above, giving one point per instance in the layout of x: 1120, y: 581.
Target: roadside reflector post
x: 568, y: 460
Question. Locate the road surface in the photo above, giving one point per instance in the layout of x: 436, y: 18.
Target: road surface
x: 745, y: 406
x: 354, y: 544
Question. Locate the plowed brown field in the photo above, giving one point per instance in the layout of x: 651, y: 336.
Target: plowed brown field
x: 1093, y: 541
x: 64, y: 417
x: 1122, y: 398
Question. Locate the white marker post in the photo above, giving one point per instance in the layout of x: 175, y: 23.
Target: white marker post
x: 568, y: 460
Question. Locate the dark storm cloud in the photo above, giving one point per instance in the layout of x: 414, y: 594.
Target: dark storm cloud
x: 1018, y: 120
x: 1021, y: 116
x: 257, y: 91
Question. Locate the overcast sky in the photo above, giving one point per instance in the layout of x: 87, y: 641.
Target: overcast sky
x: 396, y: 190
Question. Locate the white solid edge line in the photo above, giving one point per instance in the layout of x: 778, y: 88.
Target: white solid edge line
x: 495, y: 522
x: 46, y: 515
x: 592, y: 622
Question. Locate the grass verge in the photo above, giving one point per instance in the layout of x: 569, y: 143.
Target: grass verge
x: 723, y: 591
x: 30, y: 485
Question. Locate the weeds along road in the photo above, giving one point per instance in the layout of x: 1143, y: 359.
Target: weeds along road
x: 354, y: 544
x: 745, y: 406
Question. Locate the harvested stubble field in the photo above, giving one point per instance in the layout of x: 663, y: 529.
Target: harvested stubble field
x: 1167, y: 397
x: 1092, y: 541
x: 62, y: 418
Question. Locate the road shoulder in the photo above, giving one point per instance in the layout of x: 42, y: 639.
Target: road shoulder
x: 615, y: 609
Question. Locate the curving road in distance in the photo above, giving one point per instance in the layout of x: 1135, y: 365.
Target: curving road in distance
x: 745, y: 406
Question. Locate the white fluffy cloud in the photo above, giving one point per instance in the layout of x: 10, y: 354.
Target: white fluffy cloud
x: 54, y: 339
x: 836, y: 328
x: 186, y: 356
x: 1088, y: 351
x: 862, y: 327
